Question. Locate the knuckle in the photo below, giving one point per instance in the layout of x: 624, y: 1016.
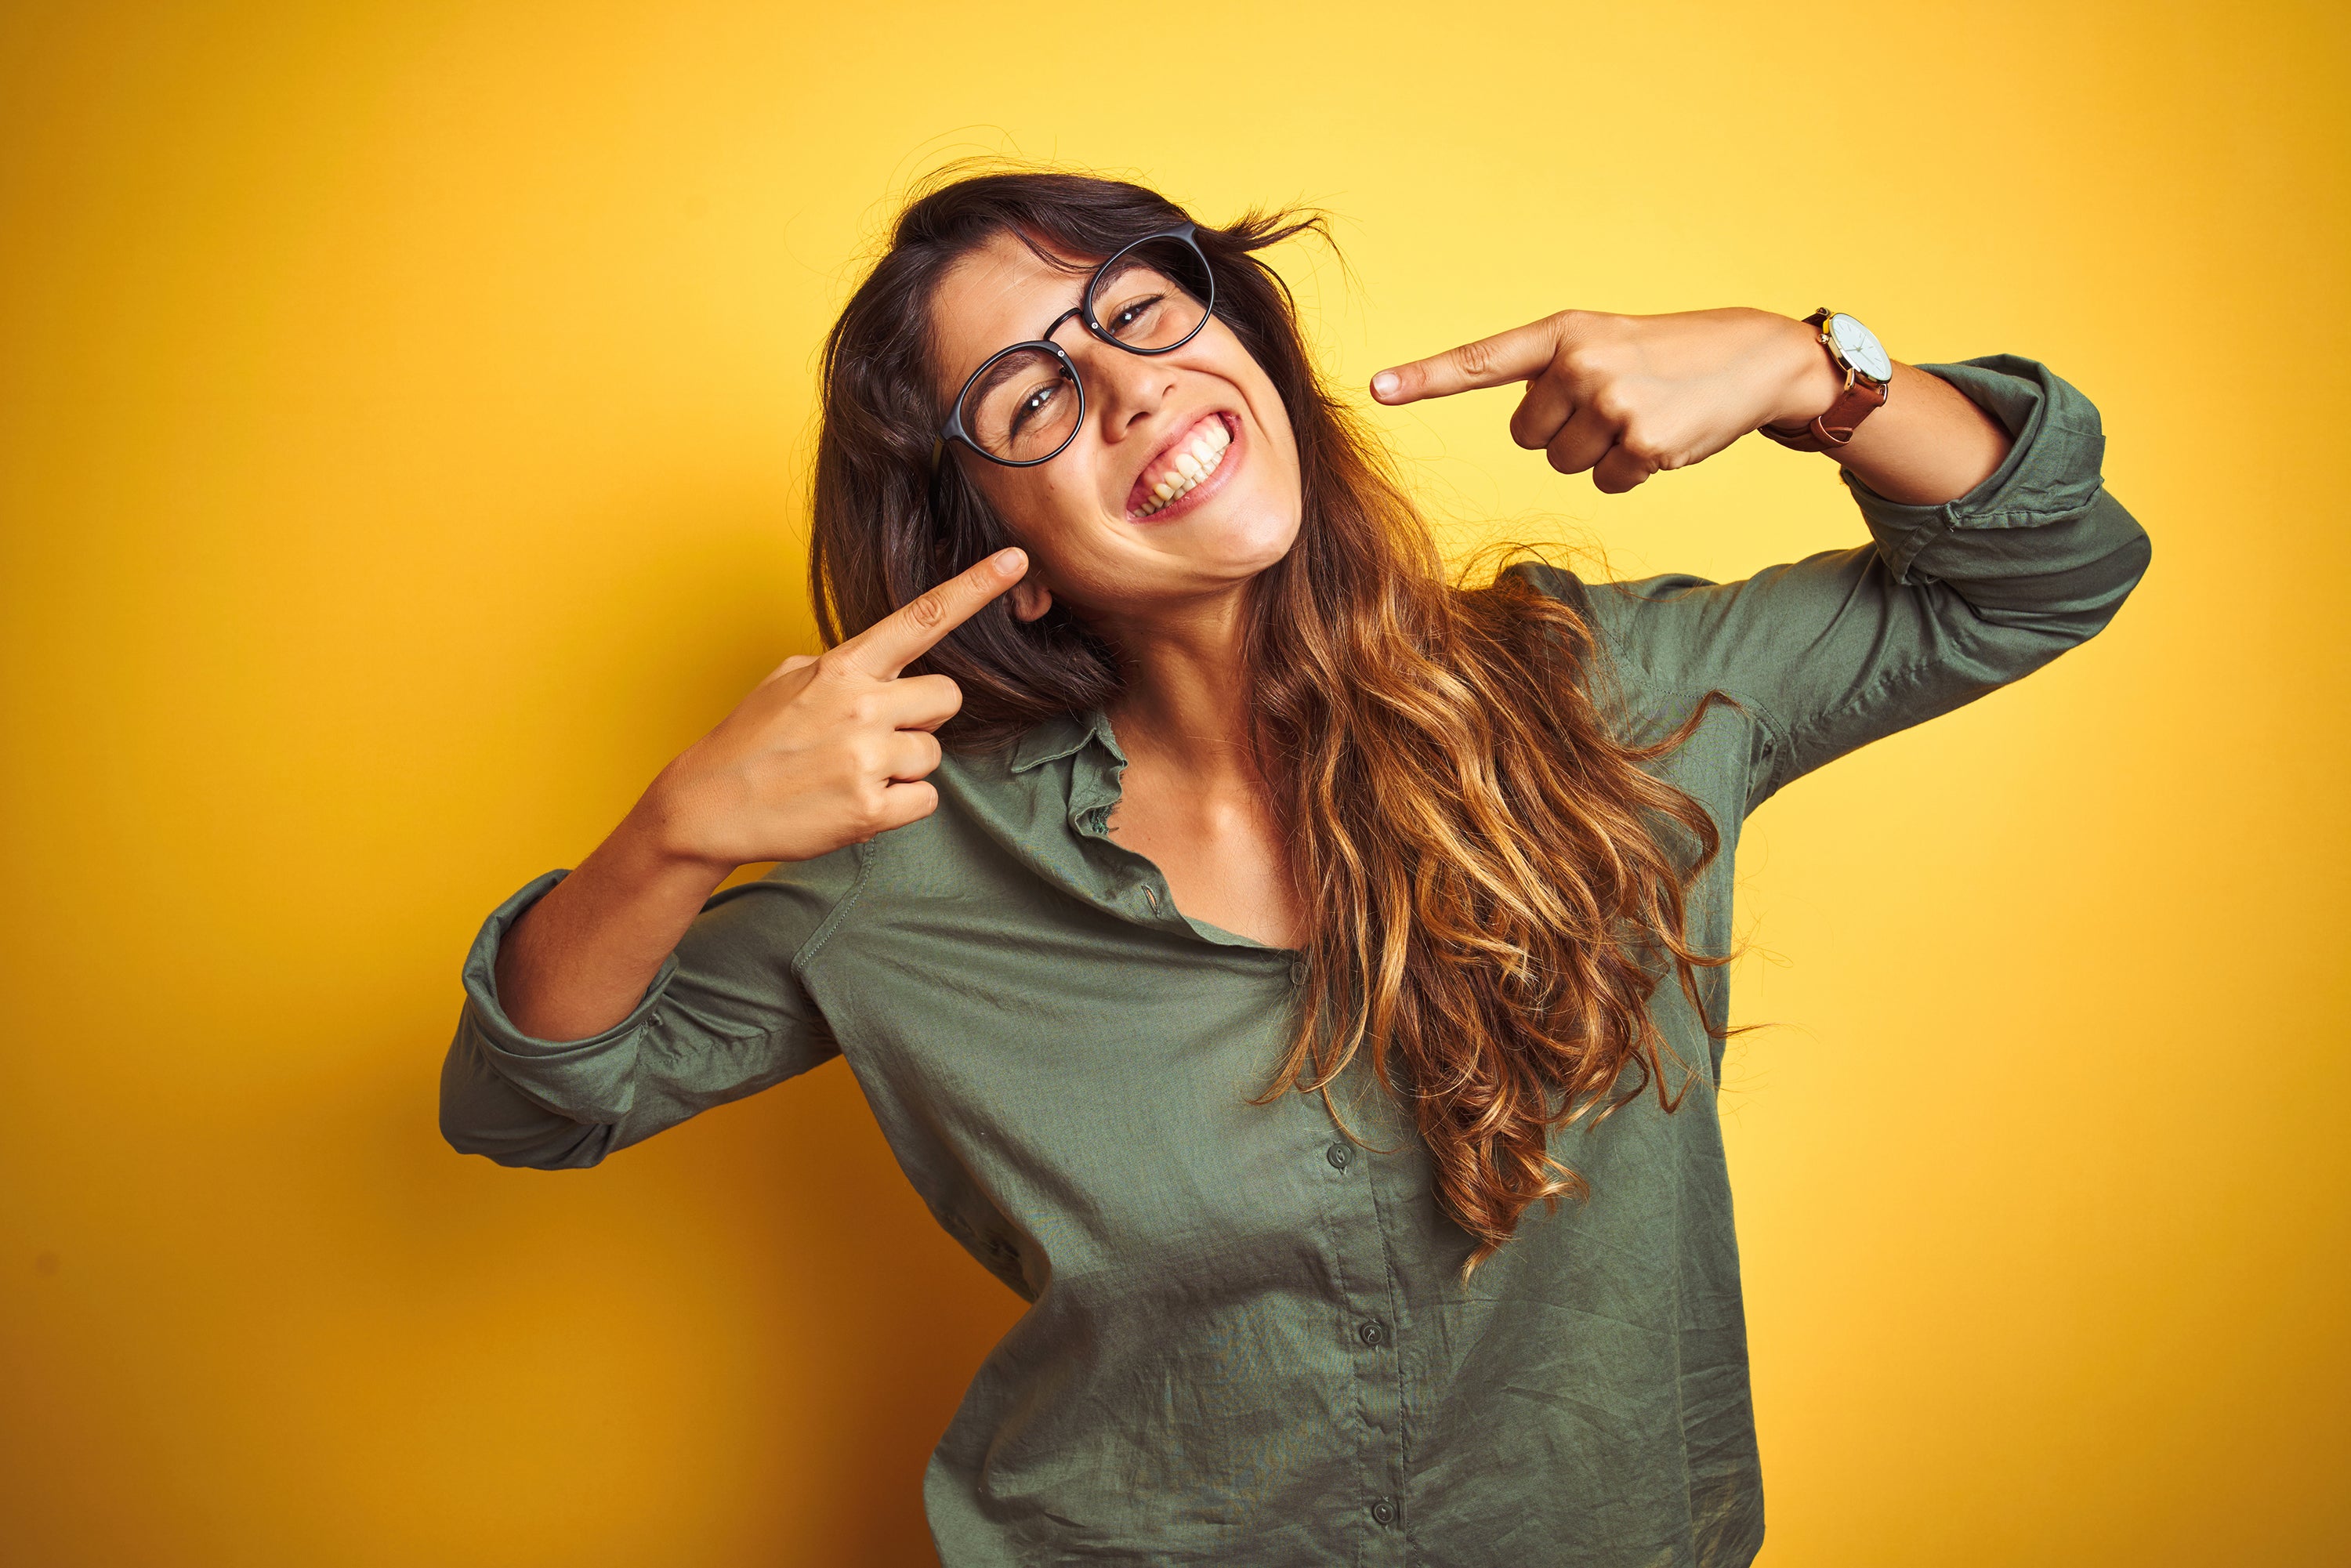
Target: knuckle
x: 1475, y: 359
x: 1612, y: 403
x: 928, y: 610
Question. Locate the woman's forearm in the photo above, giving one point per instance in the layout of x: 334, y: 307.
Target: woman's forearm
x: 580, y: 959
x: 1928, y: 445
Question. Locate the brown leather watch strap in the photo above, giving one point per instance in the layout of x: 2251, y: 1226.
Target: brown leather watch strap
x: 1833, y: 427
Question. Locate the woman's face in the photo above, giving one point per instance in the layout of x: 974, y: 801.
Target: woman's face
x: 1098, y: 537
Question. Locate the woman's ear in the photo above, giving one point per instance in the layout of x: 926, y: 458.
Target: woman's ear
x: 1031, y: 597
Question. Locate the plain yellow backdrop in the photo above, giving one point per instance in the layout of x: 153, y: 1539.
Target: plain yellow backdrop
x: 404, y: 412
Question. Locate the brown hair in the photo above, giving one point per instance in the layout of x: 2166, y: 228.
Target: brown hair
x: 1493, y: 885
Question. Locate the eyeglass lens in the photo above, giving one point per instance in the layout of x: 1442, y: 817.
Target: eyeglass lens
x: 1024, y: 405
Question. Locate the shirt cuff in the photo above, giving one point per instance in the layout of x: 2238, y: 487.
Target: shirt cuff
x: 590, y: 1079
x: 2054, y: 470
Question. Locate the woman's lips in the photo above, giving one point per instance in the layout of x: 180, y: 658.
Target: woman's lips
x: 1187, y: 471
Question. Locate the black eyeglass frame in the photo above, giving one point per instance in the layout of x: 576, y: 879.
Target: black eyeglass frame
x: 1084, y: 311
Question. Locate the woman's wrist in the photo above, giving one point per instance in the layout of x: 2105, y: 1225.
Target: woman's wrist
x: 656, y: 846
x: 1810, y: 381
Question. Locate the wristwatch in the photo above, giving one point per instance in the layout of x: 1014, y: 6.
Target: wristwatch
x: 1868, y: 372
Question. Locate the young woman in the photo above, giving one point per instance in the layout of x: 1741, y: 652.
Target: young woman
x: 1299, y: 978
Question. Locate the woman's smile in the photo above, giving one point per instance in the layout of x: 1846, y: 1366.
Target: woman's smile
x: 1183, y: 474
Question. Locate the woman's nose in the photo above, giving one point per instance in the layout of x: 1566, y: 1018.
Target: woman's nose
x: 1128, y: 394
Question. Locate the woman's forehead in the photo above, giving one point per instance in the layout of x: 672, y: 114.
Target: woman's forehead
x: 999, y: 294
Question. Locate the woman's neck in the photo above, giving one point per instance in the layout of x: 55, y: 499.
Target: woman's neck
x: 1193, y: 800
x: 1188, y: 701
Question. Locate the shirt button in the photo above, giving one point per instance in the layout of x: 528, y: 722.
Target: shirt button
x: 1298, y: 971
x: 1371, y: 1334
x: 1338, y: 1154
x: 1384, y: 1512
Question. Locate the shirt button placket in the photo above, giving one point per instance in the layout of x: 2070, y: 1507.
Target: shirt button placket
x: 1374, y: 1335
x: 1375, y: 1365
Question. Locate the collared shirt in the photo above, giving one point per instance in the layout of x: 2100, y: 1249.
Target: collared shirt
x: 1248, y: 1338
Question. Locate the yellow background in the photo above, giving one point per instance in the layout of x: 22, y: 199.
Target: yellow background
x: 403, y: 418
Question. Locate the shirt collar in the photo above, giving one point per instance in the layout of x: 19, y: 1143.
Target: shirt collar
x: 1064, y: 735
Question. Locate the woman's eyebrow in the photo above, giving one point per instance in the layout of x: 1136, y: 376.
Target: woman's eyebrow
x: 1002, y: 371
x: 1003, y: 367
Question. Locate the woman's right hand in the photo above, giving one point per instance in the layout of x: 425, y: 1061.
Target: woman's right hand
x: 826, y: 751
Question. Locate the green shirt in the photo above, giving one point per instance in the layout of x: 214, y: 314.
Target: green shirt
x: 1247, y: 1340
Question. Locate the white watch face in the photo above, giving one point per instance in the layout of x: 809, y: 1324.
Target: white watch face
x: 1860, y: 348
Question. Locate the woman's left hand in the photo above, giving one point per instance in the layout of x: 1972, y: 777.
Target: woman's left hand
x: 1626, y: 396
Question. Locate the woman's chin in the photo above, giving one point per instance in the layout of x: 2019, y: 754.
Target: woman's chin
x: 1239, y: 539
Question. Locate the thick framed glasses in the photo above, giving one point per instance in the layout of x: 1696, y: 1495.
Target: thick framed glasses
x: 1025, y: 403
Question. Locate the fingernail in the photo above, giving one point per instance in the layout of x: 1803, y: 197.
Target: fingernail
x: 1385, y: 383
x: 1008, y: 562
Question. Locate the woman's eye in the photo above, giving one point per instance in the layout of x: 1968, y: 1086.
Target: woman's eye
x: 1035, y: 403
x: 1134, y: 311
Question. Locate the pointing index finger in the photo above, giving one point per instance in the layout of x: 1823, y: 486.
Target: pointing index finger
x: 1494, y: 361
x: 914, y: 628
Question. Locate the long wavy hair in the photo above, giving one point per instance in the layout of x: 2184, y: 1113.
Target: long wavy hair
x: 1492, y: 884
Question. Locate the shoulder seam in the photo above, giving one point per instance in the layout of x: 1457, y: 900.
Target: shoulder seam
x: 1578, y: 595
x: 823, y: 933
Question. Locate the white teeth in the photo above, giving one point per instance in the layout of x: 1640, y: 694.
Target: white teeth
x: 1189, y: 467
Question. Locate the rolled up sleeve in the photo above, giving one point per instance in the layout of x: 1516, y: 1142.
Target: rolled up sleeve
x: 724, y: 1017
